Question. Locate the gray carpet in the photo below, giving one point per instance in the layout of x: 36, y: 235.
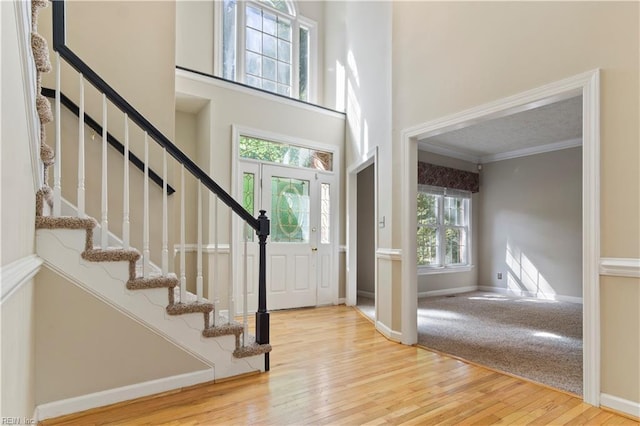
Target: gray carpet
x: 536, y: 339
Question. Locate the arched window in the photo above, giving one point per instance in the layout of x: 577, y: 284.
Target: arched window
x: 266, y: 44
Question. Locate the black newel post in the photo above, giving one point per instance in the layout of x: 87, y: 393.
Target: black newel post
x: 262, y: 316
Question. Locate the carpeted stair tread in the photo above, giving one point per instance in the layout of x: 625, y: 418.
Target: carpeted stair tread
x: 141, y: 283
x: 232, y: 328
x: 189, y: 308
x: 111, y: 255
x: 64, y: 222
x: 43, y: 196
x: 40, y: 50
x: 251, y: 349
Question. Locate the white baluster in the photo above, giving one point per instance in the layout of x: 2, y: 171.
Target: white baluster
x: 57, y: 167
x: 146, y: 253
x: 104, y: 236
x: 165, y: 217
x: 125, y: 189
x: 183, y: 276
x: 245, y: 288
x: 199, y: 281
x: 81, y: 150
x: 216, y: 271
x: 230, y: 281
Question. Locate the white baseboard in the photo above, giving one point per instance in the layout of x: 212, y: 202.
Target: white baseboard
x: 395, y: 336
x: 341, y: 301
x: 522, y: 293
x: 447, y: 291
x: 622, y: 405
x: 125, y: 393
x: 369, y: 294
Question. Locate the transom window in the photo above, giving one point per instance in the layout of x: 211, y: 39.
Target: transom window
x: 266, y: 45
x: 282, y: 153
x: 443, y: 228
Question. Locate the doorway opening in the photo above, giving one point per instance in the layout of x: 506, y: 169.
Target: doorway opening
x: 366, y: 245
x: 586, y: 85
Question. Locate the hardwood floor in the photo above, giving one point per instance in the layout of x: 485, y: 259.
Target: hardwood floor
x: 330, y: 366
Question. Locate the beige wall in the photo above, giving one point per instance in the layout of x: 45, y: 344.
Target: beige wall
x: 195, y: 35
x: 131, y: 45
x: 17, y: 201
x: 531, y: 224
x: 84, y: 345
x: 450, y: 56
x: 620, y: 339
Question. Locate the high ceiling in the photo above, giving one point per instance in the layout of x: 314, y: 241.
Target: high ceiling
x: 554, y: 126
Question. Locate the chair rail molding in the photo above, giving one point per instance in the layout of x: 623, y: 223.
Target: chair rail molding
x: 620, y: 267
x: 17, y: 273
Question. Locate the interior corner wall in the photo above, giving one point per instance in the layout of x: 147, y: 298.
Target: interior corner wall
x: 17, y: 202
x: 366, y: 96
x: 433, y: 284
x: 84, y: 345
x: 531, y: 224
x: 195, y: 35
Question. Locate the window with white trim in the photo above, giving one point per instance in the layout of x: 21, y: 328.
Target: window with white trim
x: 443, y: 228
x: 266, y: 44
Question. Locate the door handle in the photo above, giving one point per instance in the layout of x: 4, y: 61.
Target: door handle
x: 314, y: 249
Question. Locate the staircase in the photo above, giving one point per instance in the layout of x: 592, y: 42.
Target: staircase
x: 88, y: 254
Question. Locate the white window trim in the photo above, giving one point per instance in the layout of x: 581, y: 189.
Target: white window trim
x: 296, y: 21
x: 447, y: 269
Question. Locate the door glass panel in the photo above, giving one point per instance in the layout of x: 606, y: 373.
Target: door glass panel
x: 248, y: 198
x: 290, y: 207
x: 325, y: 213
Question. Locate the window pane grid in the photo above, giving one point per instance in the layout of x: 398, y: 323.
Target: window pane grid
x: 268, y: 27
x: 442, y: 230
x: 268, y: 51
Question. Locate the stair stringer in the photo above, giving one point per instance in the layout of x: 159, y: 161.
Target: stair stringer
x: 61, y: 250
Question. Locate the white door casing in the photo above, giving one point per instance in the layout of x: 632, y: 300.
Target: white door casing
x: 298, y: 273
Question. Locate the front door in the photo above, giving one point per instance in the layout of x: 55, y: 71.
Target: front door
x: 300, y: 250
x: 289, y: 195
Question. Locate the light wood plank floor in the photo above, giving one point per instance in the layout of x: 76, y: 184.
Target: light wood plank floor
x: 329, y: 366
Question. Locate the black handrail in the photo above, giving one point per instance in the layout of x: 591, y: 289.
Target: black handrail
x: 260, y: 224
x: 93, y: 124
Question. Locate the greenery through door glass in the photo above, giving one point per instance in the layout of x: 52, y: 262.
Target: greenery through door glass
x: 282, y: 153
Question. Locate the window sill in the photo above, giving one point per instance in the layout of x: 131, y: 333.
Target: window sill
x: 444, y: 270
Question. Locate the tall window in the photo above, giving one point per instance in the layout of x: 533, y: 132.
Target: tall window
x: 266, y: 45
x: 443, y: 228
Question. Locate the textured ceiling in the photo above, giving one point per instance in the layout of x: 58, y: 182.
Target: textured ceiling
x: 549, y: 124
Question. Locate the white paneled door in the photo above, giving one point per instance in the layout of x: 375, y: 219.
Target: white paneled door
x: 300, y: 248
